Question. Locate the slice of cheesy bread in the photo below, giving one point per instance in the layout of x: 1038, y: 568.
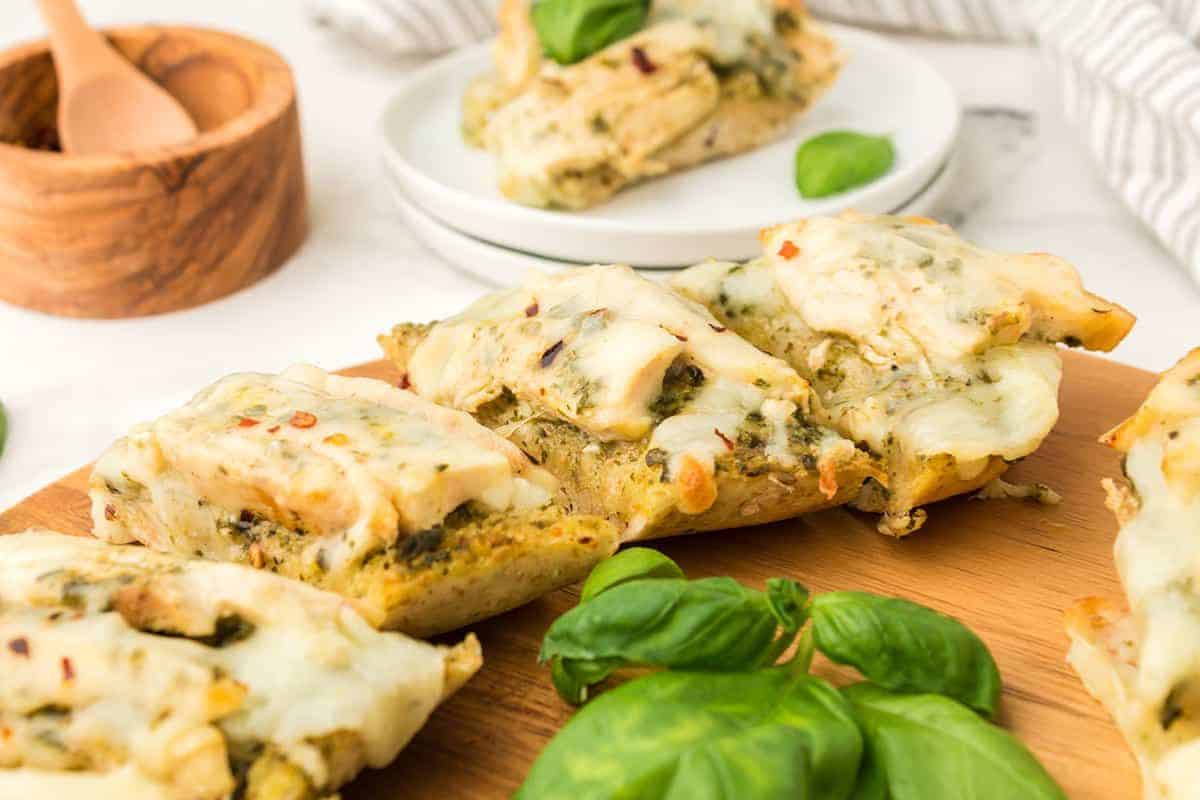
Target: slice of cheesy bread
x: 704, y: 79
x: 423, y: 518
x: 937, y: 355
x: 1143, y: 660
x: 135, y: 675
x: 648, y: 409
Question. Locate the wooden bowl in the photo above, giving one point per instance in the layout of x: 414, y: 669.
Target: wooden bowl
x: 144, y: 233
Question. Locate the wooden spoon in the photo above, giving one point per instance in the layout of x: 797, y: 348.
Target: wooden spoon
x: 105, y: 104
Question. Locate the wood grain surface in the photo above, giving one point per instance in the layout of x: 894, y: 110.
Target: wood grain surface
x: 1007, y: 568
x: 145, y: 233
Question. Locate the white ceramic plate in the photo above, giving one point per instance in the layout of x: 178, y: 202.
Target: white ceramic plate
x: 714, y: 210
x: 500, y: 266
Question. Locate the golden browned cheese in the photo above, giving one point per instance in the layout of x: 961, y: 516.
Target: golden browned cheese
x: 422, y: 517
x: 131, y: 675
x: 703, y: 80
x: 935, y: 354
x: 1141, y: 658
x: 647, y: 409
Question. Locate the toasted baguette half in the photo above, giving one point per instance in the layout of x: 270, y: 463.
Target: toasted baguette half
x: 1141, y: 657
x: 649, y: 411
x: 423, y: 518
x: 934, y: 354
x: 700, y: 82
x: 135, y: 674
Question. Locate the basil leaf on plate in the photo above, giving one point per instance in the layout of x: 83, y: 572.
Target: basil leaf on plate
x: 572, y: 30
x: 633, y: 564
x: 906, y: 647
x: 837, y: 161
x: 928, y: 747
x: 712, y: 624
x: 769, y: 735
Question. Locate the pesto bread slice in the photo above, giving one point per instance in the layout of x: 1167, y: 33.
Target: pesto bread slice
x: 933, y: 353
x: 423, y: 518
x: 649, y: 411
x: 701, y: 81
x: 1141, y: 657
x: 131, y: 674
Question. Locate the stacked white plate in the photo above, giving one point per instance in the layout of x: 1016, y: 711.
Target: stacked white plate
x: 447, y: 190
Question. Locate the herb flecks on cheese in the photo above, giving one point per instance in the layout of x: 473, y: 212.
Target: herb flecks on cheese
x: 1144, y: 663
x: 132, y: 674
x: 935, y: 354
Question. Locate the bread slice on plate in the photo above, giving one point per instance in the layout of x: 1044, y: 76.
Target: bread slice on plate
x: 135, y: 675
x: 650, y: 411
x: 701, y: 81
x: 424, y: 519
x: 935, y: 354
x: 1142, y: 659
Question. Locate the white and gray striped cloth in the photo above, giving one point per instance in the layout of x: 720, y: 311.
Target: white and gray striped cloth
x: 1129, y: 73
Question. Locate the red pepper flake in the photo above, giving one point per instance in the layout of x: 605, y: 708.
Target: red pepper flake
x: 68, y: 669
x: 532, y: 309
x: 728, y: 442
x: 273, y: 429
x: 20, y: 646
x: 5, y: 732
x: 718, y: 328
x: 110, y: 512
x: 302, y: 419
x: 788, y: 250
x: 405, y: 383
x: 642, y: 61
x: 678, y: 336
x: 246, y: 422
x: 551, y: 354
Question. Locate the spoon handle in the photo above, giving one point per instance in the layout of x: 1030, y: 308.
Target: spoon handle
x: 78, y: 48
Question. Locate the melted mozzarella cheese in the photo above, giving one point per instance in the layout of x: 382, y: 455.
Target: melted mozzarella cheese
x: 353, y: 460
x: 735, y: 23
x: 594, y: 346
x: 307, y: 667
x: 912, y: 292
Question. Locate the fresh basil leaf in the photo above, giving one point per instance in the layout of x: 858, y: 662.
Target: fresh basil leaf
x: 766, y: 735
x: 907, y: 647
x: 3, y: 428
x: 929, y: 747
x: 628, y: 565
x: 872, y: 784
x: 572, y: 30
x: 712, y: 624
x: 837, y: 161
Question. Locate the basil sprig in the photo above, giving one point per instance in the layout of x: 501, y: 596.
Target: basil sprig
x: 722, y: 722
x: 764, y: 735
x: 838, y: 161
x: 714, y: 624
x: 906, y: 647
x: 925, y: 746
x: 572, y: 30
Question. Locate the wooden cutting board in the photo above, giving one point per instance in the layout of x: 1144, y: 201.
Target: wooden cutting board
x: 1006, y: 568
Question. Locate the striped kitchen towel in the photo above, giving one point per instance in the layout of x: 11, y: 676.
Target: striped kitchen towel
x: 1129, y: 72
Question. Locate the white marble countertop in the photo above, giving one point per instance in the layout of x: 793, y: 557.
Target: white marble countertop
x: 73, y: 386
